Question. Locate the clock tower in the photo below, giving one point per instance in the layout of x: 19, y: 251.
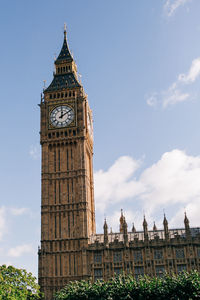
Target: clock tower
x: 67, y: 196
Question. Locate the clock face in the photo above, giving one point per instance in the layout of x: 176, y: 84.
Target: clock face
x: 62, y: 116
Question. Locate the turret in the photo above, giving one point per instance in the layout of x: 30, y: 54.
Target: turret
x: 145, y: 228
x: 121, y: 221
x: 166, y: 230
x: 105, y: 232
x: 133, y: 228
x: 187, y: 227
x: 154, y: 227
x: 125, y: 232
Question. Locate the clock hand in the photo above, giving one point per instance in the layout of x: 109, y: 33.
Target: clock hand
x: 61, y: 115
x: 66, y: 112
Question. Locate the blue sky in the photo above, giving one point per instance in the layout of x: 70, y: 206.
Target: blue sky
x: 140, y: 66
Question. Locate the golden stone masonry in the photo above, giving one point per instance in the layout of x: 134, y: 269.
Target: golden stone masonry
x: 70, y: 248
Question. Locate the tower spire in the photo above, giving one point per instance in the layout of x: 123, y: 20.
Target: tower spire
x: 65, y: 55
x: 65, y: 74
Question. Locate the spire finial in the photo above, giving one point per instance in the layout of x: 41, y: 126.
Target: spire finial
x: 186, y: 220
x: 154, y: 226
x: 65, y: 30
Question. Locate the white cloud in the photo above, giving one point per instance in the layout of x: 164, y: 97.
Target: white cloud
x: 20, y: 250
x: 34, y: 151
x: 193, y: 73
x: 174, y: 94
x: 2, y: 221
x: 152, y: 100
x: 173, y: 181
x: 171, y: 6
x: 114, y: 183
x: 18, y: 211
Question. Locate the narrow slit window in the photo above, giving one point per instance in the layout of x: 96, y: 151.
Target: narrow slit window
x: 71, y: 159
x: 58, y: 159
x: 60, y: 225
x: 74, y: 264
x: 69, y: 224
x: 72, y: 191
x: 68, y: 191
x: 69, y: 264
x: 61, y: 265
x: 67, y: 160
x: 59, y: 192
x: 56, y: 273
x: 55, y: 191
x: 55, y: 227
x: 54, y: 160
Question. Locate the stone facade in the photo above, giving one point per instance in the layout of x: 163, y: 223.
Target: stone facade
x: 70, y: 248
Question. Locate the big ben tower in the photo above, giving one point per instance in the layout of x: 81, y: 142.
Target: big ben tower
x: 67, y: 200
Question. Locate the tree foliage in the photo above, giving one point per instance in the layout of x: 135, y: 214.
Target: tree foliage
x: 182, y: 287
x: 17, y: 284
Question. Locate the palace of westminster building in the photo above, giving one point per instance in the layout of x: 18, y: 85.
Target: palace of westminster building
x: 70, y: 248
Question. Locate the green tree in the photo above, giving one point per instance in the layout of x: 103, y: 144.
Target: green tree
x: 185, y: 286
x: 17, y: 284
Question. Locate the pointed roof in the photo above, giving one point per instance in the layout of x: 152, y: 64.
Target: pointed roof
x: 121, y: 219
x: 65, y: 55
x: 63, y: 81
x: 105, y: 226
x: 144, y: 222
x: 165, y: 220
x: 154, y: 227
x: 133, y: 228
x: 186, y: 220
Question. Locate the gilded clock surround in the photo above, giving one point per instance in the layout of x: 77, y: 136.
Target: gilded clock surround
x: 70, y: 103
